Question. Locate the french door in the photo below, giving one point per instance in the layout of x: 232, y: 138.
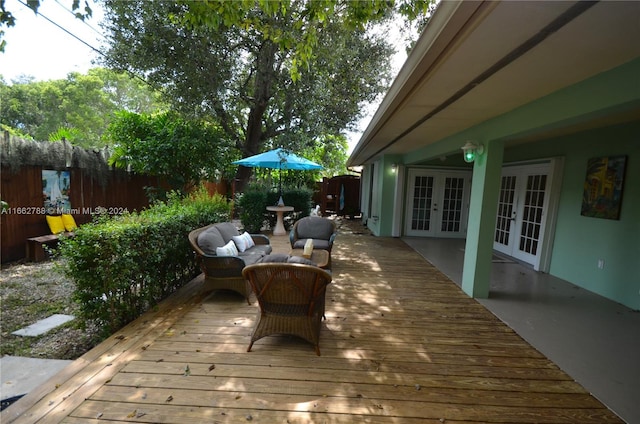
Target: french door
x: 522, y: 211
x: 437, y: 203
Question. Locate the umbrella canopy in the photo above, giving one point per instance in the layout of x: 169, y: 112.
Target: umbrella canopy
x: 278, y: 159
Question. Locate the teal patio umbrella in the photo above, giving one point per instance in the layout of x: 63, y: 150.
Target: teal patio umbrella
x: 278, y: 159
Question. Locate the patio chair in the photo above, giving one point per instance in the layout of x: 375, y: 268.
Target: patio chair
x: 223, y: 272
x: 291, y: 297
x: 322, y: 230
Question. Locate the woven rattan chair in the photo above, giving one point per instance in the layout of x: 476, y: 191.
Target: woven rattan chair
x: 291, y: 299
x: 224, y: 272
x: 321, y: 230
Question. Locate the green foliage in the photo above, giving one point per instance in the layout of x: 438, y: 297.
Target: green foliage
x: 252, y: 205
x: 311, y: 18
x: 184, y: 152
x: 69, y: 134
x: 84, y: 105
x: 299, y: 198
x: 278, y: 74
x: 123, y: 265
x: 15, y: 132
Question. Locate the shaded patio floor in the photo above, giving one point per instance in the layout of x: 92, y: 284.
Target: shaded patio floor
x: 595, y: 340
x: 401, y: 344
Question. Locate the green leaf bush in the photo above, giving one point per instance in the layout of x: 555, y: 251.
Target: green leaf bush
x: 123, y: 265
x: 252, y: 205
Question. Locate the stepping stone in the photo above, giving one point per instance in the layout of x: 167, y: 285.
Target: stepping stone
x: 44, y: 325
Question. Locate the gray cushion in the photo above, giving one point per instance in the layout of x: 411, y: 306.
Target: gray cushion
x: 300, y: 260
x: 265, y: 249
x: 227, y: 230
x: 209, y: 240
x: 315, y: 227
x: 317, y: 244
x: 255, y: 253
x: 274, y: 258
x: 251, y: 258
x: 283, y: 258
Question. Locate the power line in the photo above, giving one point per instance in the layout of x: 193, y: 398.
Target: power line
x: 83, y: 20
x: 132, y: 74
x: 65, y: 30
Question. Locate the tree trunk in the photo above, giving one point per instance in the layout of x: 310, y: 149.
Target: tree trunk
x: 265, y: 76
x: 243, y: 175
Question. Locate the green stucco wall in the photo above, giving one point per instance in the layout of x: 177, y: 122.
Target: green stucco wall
x: 385, y: 187
x: 581, y: 241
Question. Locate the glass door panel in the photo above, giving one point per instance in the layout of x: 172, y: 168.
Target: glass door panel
x: 437, y: 203
x: 521, y: 209
x: 452, y: 204
x: 422, y: 201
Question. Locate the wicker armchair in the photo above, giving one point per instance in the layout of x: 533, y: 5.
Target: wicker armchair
x: 225, y: 272
x: 322, y: 230
x: 291, y: 299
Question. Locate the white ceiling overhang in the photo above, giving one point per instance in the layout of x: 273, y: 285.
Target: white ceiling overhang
x: 478, y: 60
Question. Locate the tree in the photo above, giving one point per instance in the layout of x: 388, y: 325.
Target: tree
x: 169, y: 146
x: 310, y: 18
x: 78, y: 108
x: 272, y: 73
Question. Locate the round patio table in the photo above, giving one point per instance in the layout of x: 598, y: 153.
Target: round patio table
x: 279, y: 210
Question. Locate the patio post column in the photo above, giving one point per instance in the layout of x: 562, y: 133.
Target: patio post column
x: 485, y: 189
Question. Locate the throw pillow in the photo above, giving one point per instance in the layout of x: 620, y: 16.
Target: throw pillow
x: 55, y: 224
x: 68, y: 222
x: 209, y: 240
x: 249, y: 239
x: 227, y: 230
x: 241, y: 243
x: 228, y: 249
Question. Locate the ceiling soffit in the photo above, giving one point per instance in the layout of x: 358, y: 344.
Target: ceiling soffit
x: 502, y: 57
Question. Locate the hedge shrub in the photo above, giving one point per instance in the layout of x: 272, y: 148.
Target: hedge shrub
x: 124, y: 265
x: 252, y: 205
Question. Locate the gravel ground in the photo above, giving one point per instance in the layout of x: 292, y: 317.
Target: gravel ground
x: 33, y: 291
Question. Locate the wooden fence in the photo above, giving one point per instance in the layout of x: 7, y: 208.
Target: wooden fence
x: 25, y: 215
x: 93, y: 187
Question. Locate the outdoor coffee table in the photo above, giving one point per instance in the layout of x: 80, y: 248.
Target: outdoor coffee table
x: 318, y: 256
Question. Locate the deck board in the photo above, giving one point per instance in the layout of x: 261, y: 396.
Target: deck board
x: 401, y: 344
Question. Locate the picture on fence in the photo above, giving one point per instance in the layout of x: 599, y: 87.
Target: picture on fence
x: 55, y: 190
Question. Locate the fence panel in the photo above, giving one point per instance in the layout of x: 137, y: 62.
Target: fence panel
x: 25, y: 217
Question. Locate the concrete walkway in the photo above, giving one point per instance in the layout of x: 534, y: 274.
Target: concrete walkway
x: 20, y: 375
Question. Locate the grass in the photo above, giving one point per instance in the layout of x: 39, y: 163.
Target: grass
x: 33, y: 291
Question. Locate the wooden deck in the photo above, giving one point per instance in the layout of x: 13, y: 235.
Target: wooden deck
x: 401, y: 344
